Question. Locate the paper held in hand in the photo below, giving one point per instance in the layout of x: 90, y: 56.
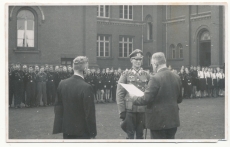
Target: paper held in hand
x: 132, y: 89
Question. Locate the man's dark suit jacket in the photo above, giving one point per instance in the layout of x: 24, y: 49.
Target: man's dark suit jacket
x: 75, y: 109
x: 162, y: 96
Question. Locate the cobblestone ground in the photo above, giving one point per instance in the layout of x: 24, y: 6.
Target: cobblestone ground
x: 200, y: 119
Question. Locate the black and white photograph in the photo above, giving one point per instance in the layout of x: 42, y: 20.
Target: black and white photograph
x: 116, y: 72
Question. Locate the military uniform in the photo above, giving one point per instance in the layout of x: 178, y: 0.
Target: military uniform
x: 51, y: 90
x: 18, y: 87
x: 41, y: 79
x: 134, y: 115
x: 30, y: 89
x: 11, y: 87
x: 115, y: 82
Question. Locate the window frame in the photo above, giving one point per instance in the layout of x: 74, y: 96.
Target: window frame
x: 149, y: 32
x: 104, y: 44
x: 123, y: 14
x: 35, y: 48
x: 180, y: 49
x: 123, y: 44
x: 173, y: 51
x: 104, y: 11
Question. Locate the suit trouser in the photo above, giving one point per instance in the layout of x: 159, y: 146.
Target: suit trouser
x: 41, y: 89
x: 163, y: 134
x: 51, y: 92
x: 66, y: 136
x: 30, y: 94
x: 135, y: 124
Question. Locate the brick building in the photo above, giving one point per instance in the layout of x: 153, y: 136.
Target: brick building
x: 188, y: 35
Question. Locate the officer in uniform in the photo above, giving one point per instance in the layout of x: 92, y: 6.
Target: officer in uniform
x: 51, y: 92
x: 41, y: 79
x: 132, y: 116
x: 115, y: 82
x: 69, y: 72
x: 11, y: 84
x: 30, y: 88
x: 18, y: 86
x: 25, y: 73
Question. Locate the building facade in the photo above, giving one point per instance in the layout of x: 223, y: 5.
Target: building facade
x: 188, y: 35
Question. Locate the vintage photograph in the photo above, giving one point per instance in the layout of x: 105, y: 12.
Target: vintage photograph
x: 116, y: 72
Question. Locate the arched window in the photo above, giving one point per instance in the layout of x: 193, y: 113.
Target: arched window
x: 180, y: 50
x: 25, y: 28
x: 148, y: 55
x: 149, y: 27
x: 172, y: 48
x: 205, y: 36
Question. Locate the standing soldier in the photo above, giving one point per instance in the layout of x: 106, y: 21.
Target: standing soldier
x: 25, y: 73
x: 30, y: 88
x: 69, y: 72
x: 11, y: 84
x: 18, y: 85
x: 111, y: 78
x: 115, y: 82
x: 41, y: 87
x: 107, y: 85
x: 99, y: 86
x: 132, y: 116
x: 51, y: 93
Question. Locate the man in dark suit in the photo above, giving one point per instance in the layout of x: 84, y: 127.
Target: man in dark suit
x: 75, y: 109
x: 161, y: 96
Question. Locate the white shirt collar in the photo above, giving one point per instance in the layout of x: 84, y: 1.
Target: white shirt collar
x: 79, y: 75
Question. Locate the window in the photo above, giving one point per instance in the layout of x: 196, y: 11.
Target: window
x: 25, y: 29
x: 205, y: 36
x: 149, y: 31
x: 180, y: 50
x: 126, y: 12
x: 172, y: 48
x: 149, y: 27
x: 67, y: 61
x: 148, y: 59
x: 103, y: 11
x: 125, y: 46
x: 103, y: 46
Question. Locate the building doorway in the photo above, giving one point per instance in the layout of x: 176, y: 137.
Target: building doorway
x: 205, y: 49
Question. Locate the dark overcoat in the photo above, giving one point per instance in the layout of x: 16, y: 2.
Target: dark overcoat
x: 75, y: 109
x: 162, y: 96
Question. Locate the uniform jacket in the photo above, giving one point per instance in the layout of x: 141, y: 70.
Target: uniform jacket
x: 124, y: 101
x: 75, y: 109
x: 162, y: 96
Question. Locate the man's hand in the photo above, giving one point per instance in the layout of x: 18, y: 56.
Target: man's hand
x: 123, y: 115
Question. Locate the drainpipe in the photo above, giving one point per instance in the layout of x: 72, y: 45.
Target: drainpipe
x: 166, y: 34
x: 142, y: 40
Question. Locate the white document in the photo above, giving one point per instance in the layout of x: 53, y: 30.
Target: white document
x: 132, y: 89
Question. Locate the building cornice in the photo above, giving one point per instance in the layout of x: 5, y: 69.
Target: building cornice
x: 200, y: 16
x: 175, y: 20
x: 119, y: 22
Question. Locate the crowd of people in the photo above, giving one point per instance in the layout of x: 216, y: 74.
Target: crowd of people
x: 198, y: 82
x: 30, y: 85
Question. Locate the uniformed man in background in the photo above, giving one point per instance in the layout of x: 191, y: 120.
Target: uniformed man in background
x: 132, y: 115
x: 41, y: 79
x: 30, y: 88
x: 18, y: 85
x: 25, y: 73
x: 11, y: 84
x: 51, y: 91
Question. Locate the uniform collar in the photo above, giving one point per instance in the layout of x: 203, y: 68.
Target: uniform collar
x: 135, y: 71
